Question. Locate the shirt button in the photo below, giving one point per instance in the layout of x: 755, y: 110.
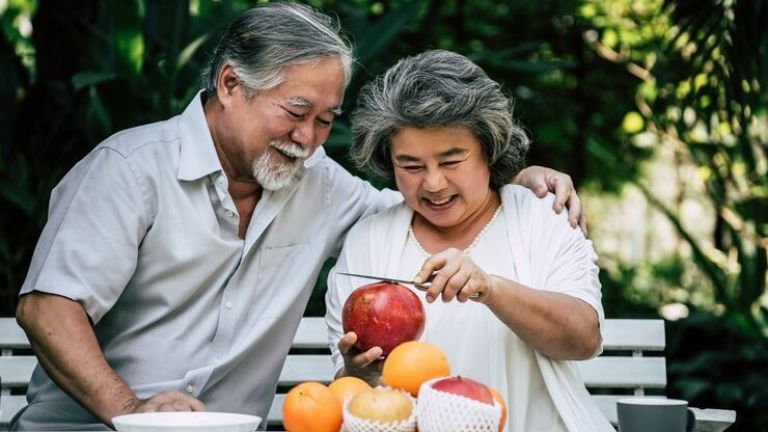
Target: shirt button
x: 228, y: 305
x: 229, y: 213
x: 190, y: 388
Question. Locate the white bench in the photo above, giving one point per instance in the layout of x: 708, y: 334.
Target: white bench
x: 632, y: 363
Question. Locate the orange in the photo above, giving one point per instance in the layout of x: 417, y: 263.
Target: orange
x: 311, y: 407
x: 346, y: 387
x: 412, y: 363
x: 500, y: 399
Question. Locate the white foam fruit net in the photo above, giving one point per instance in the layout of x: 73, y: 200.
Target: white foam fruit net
x: 439, y: 411
x: 353, y: 423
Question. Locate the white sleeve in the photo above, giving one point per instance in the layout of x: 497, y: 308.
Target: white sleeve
x: 574, y: 270
x: 569, y: 258
x: 562, y: 260
x: 354, y: 199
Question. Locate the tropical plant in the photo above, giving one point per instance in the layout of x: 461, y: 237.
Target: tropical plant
x: 704, y: 98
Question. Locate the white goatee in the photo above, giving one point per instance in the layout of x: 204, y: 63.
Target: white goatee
x: 272, y: 173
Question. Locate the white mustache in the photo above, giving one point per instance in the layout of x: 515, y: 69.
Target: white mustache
x: 292, y: 150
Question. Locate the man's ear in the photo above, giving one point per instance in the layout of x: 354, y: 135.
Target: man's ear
x: 226, y: 84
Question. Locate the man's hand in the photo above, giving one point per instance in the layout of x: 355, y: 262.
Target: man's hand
x: 542, y: 180
x: 364, y: 365
x: 171, y: 400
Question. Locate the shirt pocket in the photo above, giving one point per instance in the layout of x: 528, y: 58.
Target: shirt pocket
x: 272, y: 256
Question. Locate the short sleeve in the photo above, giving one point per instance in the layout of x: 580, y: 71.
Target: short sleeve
x: 89, y: 246
x: 573, y: 269
x: 563, y: 259
x: 353, y: 199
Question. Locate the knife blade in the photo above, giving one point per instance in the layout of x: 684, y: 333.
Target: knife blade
x: 422, y: 286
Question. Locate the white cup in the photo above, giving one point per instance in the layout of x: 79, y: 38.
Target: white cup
x: 651, y: 414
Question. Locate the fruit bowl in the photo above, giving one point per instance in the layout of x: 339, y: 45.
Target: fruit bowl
x: 196, y: 421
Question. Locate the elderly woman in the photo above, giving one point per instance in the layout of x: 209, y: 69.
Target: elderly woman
x: 444, y: 131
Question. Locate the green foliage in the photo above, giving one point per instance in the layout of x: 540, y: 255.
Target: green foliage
x: 729, y: 373
x: 710, y: 98
x: 705, y: 98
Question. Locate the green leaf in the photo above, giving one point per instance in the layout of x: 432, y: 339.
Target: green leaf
x: 693, y: 387
x: 128, y: 37
x: 100, y: 111
x: 517, y: 51
x: 373, y: 41
x: 533, y: 66
x: 85, y: 79
x: 189, y: 51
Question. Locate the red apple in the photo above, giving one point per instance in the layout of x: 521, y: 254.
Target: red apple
x: 383, y: 314
x: 464, y: 387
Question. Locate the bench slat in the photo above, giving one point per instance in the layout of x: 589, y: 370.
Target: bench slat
x: 604, y: 372
x: 312, y: 333
x: 11, y: 335
x: 17, y: 370
x: 10, y: 405
x: 619, y: 334
x: 624, y: 372
x: 713, y: 420
x: 306, y: 367
x: 634, y: 334
x: 276, y: 411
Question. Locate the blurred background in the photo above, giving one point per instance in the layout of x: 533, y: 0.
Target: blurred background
x: 656, y: 108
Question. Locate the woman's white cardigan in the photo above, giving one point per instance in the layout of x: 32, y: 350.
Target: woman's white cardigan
x: 542, y: 244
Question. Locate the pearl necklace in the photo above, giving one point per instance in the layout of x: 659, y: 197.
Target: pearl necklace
x: 471, y: 245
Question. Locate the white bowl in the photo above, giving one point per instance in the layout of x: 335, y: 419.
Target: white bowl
x: 197, y: 421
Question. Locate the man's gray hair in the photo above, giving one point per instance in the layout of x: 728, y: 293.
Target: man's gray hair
x: 437, y: 89
x: 264, y: 40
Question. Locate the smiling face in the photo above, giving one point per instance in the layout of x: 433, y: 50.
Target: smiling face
x: 442, y: 174
x: 267, y: 138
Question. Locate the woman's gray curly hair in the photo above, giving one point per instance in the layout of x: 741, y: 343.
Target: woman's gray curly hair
x: 437, y: 89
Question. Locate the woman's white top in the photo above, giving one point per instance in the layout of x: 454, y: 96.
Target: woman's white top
x: 528, y: 243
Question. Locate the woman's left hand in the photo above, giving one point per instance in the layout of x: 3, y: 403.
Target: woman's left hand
x: 455, y: 275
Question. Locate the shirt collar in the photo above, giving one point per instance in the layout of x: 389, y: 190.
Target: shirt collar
x: 198, y: 155
x: 316, y: 157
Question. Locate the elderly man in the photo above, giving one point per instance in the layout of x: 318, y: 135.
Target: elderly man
x: 179, y: 256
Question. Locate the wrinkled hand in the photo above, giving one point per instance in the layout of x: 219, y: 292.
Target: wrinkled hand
x: 364, y: 365
x: 542, y: 180
x: 171, y: 400
x: 457, y: 276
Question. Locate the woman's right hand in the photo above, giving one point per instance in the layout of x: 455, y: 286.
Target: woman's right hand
x: 364, y: 365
